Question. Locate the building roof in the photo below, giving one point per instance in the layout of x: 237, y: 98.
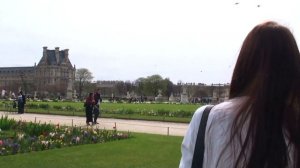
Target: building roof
x: 16, y: 69
x: 52, y: 58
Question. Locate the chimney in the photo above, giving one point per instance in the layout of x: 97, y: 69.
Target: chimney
x: 45, y: 49
x: 57, y: 54
x: 45, y: 53
x: 66, y: 55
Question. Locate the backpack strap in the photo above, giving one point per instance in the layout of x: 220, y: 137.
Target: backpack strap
x: 199, y: 146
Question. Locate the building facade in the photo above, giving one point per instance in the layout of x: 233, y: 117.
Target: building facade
x: 53, y: 76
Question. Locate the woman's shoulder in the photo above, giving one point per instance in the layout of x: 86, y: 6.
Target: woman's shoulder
x: 226, y: 110
x: 228, y: 107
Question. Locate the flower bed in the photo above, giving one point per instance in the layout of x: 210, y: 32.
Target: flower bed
x: 20, y: 137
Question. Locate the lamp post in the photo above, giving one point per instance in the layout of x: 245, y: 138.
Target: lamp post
x: 23, y: 83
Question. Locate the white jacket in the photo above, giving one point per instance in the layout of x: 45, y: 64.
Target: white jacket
x: 217, y: 135
x: 217, y: 153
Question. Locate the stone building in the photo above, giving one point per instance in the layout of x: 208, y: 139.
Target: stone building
x: 214, y: 93
x: 53, y: 76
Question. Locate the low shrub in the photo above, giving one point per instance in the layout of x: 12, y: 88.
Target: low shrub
x: 32, y: 106
x: 57, y: 107
x: 36, y: 137
x: 44, y: 106
x: 182, y: 113
x: 70, y: 108
x: 35, y: 128
x: 163, y: 112
x: 6, y: 123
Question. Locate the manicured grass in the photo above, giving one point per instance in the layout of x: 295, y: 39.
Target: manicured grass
x: 140, y: 111
x: 141, y: 151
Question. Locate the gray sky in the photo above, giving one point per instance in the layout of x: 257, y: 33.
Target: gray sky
x: 183, y: 40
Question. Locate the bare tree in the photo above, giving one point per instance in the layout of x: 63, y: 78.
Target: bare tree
x: 83, y: 77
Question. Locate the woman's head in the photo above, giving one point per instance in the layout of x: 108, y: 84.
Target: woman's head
x: 269, y: 57
x: 267, y: 72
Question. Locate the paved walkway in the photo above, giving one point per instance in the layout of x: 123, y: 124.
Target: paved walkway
x: 152, y: 127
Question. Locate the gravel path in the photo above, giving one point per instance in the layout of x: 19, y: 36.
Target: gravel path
x: 152, y: 127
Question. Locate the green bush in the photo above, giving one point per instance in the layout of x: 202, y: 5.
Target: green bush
x: 70, y: 108
x: 163, y: 112
x: 6, y: 123
x: 32, y: 106
x: 44, y: 106
x: 57, y: 107
x: 182, y: 113
x: 36, y: 128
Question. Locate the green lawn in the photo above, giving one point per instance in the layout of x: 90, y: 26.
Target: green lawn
x: 142, y: 111
x: 141, y: 151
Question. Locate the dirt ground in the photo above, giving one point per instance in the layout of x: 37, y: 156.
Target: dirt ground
x: 152, y: 127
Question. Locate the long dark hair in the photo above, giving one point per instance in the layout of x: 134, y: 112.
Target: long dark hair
x: 267, y: 74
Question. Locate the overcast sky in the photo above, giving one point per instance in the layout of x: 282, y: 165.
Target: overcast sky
x: 183, y: 40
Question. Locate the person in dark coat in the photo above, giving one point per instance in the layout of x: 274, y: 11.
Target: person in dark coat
x: 21, y: 102
x: 98, y: 100
x: 89, y: 105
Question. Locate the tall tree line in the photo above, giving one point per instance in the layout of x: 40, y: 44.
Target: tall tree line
x: 143, y: 86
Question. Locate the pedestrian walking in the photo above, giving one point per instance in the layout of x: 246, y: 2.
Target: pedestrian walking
x: 96, y: 111
x: 21, y: 99
x: 89, y: 105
